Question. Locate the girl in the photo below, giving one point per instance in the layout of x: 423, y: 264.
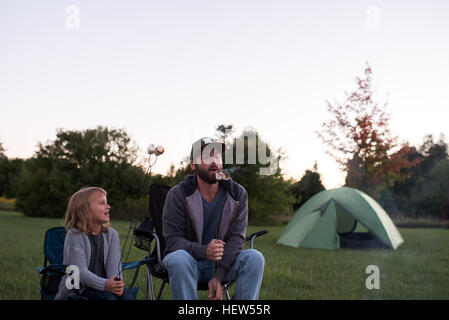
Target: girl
x: 93, y: 247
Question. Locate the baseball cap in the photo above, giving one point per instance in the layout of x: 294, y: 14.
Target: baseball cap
x: 198, y: 146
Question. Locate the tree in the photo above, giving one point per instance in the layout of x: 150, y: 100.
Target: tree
x: 359, y: 138
x: 431, y: 195
x: 45, y: 186
x: 3, y: 170
x: 268, y: 196
x: 10, y: 170
x: 100, y: 145
x: 431, y: 152
x: 425, y: 190
x: 309, y: 185
x: 259, y: 171
x: 223, y: 132
x: 101, y: 157
x: 2, y: 151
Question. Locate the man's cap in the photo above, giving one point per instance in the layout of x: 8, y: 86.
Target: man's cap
x: 198, y: 146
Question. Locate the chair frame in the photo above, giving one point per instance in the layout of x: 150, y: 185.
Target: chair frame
x: 151, y: 229
x: 157, y: 252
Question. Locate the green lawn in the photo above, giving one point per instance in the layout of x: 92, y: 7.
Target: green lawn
x: 419, y: 269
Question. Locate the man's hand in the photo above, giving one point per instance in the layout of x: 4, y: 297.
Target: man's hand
x: 215, y: 289
x: 214, y: 250
x: 113, y: 286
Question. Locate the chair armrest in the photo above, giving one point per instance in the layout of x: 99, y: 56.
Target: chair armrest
x: 135, y: 264
x: 54, y: 268
x: 254, y: 236
x: 158, y: 248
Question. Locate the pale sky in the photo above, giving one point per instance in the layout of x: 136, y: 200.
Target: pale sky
x: 170, y: 71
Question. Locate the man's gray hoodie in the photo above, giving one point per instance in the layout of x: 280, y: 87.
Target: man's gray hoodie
x: 182, y: 222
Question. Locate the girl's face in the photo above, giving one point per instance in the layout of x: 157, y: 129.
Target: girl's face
x: 99, y: 209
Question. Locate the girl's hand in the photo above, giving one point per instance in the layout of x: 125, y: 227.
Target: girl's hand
x: 115, y: 287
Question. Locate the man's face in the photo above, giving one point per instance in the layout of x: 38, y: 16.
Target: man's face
x: 211, y: 163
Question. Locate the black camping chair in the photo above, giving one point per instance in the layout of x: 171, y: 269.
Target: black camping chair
x: 151, y: 228
x: 53, y: 269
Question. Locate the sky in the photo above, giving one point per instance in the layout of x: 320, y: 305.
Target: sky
x: 168, y: 72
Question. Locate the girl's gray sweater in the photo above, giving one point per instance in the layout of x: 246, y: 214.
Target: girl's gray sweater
x: 77, y: 251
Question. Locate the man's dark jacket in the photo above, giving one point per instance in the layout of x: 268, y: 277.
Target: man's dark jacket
x: 182, y: 222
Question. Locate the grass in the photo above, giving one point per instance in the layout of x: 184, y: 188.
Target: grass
x: 419, y: 269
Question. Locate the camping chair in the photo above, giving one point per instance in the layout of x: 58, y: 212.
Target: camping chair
x: 145, y: 234
x: 53, y: 269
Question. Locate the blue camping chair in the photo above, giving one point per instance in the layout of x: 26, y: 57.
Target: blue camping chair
x: 53, y: 269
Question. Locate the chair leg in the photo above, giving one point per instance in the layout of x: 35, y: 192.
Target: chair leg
x: 149, y: 285
x: 160, y: 291
x: 136, y: 273
x: 226, y: 288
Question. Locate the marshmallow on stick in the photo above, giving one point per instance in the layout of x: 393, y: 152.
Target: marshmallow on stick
x: 222, y: 176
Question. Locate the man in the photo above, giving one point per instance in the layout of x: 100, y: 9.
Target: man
x: 204, y: 225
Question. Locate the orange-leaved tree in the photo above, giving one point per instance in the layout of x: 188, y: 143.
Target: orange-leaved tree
x: 358, y: 137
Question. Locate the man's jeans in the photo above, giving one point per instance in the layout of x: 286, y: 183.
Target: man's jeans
x: 185, y: 271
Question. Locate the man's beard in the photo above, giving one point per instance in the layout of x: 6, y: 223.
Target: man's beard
x: 205, y: 175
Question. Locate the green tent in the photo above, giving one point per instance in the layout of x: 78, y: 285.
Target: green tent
x: 341, y: 218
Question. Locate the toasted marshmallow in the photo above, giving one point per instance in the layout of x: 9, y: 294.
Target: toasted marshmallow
x: 222, y: 176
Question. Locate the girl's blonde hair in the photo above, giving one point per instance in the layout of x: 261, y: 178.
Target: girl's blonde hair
x: 78, y: 210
